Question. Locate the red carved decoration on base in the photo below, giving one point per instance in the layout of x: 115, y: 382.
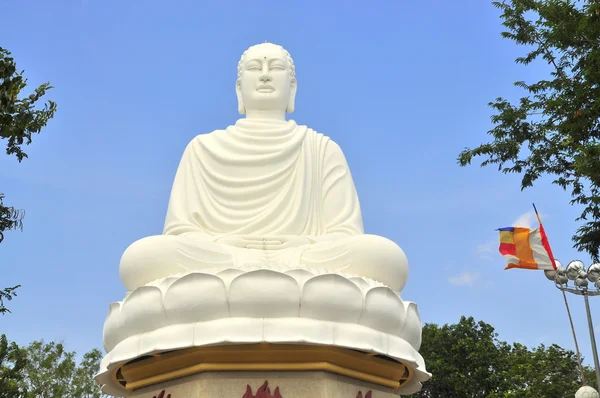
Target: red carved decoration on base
x: 263, y: 392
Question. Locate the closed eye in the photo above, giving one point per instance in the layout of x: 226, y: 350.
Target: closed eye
x: 253, y: 65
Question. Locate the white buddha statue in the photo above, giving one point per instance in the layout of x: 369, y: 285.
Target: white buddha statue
x: 265, y: 191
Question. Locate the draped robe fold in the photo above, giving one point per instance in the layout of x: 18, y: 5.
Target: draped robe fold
x: 263, y: 179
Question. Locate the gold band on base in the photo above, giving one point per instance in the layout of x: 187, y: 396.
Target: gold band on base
x: 168, y: 366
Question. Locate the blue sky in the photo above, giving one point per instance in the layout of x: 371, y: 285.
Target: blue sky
x: 403, y: 87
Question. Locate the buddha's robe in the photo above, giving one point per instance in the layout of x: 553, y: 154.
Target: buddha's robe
x: 263, y: 182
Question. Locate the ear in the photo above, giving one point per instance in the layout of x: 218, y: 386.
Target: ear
x: 238, y: 93
x: 292, y: 100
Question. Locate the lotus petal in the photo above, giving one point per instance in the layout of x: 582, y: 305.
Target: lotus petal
x: 331, y: 297
x: 196, y: 297
x: 361, y: 283
x: 229, y: 274
x: 264, y: 294
x: 142, y: 311
x: 301, y: 275
x: 411, y: 331
x: 384, y: 310
x: 165, y: 283
x: 112, y: 332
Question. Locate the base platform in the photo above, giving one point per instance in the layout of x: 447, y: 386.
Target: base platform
x: 301, y: 370
x: 272, y: 384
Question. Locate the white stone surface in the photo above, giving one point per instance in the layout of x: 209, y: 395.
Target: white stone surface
x: 262, y: 305
x: 264, y: 191
x: 587, y: 392
x: 264, y: 294
x: 263, y: 241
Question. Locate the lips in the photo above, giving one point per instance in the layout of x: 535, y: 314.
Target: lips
x: 265, y: 88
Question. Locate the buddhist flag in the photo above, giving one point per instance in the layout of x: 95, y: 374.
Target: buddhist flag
x: 526, y: 248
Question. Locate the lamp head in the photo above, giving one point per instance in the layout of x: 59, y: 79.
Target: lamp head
x: 581, y: 282
x: 575, y: 269
x: 561, y: 274
x: 550, y: 274
x: 594, y: 272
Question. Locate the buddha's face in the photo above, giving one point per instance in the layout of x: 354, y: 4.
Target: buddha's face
x: 266, y: 82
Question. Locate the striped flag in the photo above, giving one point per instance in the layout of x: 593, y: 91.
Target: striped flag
x: 526, y: 248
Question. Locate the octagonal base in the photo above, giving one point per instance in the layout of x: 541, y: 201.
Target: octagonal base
x: 321, y: 369
x: 244, y: 384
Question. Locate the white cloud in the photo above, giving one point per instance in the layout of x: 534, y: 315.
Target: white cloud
x: 487, y: 249
x: 463, y: 279
x: 527, y: 220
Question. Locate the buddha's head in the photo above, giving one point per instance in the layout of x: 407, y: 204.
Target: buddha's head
x: 266, y: 79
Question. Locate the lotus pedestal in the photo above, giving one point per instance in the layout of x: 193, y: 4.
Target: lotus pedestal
x: 288, y: 327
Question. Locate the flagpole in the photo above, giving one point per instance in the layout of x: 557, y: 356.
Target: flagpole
x: 575, y: 339
x: 579, y: 364
x: 537, y: 214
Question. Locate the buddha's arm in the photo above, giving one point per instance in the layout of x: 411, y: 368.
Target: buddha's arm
x: 185, y: 197
x: 341, y: 207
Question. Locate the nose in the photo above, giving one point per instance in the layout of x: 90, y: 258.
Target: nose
x: 264, y: 77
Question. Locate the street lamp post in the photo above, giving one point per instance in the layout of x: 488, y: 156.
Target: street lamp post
x: 576, y: 273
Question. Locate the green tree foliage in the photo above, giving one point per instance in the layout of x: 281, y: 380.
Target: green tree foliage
x: 12, y: 364
x: 47, y: 370
x: 84, y: 384
x: 466, y: 359
x: 543, y: 372
x: 554, y: 129
x: 19, y: 120
x: 10, y: 218
x: 469, y: 361
x: 7, y: 294
x: 51, y: 371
